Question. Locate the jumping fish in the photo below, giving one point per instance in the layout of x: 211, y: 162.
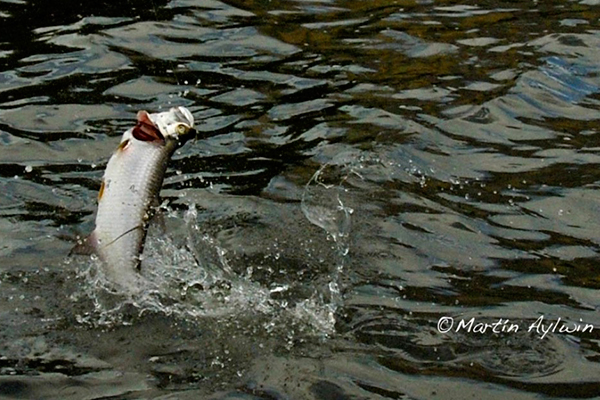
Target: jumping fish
x: 129, y: 192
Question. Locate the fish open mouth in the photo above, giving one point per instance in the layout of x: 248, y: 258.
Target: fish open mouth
x: 159, y: 127
x: 145, y: 130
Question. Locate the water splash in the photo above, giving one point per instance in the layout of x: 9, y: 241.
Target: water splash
x: 323, y: 206
x: 188, y: 275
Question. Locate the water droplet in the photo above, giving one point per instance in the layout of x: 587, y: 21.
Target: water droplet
x: 28, y: 168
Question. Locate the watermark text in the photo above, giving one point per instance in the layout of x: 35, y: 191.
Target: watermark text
x: 541, y: 326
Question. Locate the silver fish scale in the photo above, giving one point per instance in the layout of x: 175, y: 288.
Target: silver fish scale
x: 132, y: 182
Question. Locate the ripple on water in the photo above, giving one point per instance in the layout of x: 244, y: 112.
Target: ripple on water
x: 364, y: 169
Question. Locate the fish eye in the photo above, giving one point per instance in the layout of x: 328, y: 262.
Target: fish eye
x: 182, y: 129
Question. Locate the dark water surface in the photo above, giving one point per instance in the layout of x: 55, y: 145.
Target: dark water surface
x: 369, y: 168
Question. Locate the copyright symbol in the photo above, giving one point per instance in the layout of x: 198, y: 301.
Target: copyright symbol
x: 445, y: 324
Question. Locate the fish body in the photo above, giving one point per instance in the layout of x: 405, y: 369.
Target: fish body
x: 129, y: 192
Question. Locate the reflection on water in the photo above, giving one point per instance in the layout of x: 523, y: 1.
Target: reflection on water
x: 367, y: 168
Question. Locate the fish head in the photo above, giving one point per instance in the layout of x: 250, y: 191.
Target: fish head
x: 177, y: 123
